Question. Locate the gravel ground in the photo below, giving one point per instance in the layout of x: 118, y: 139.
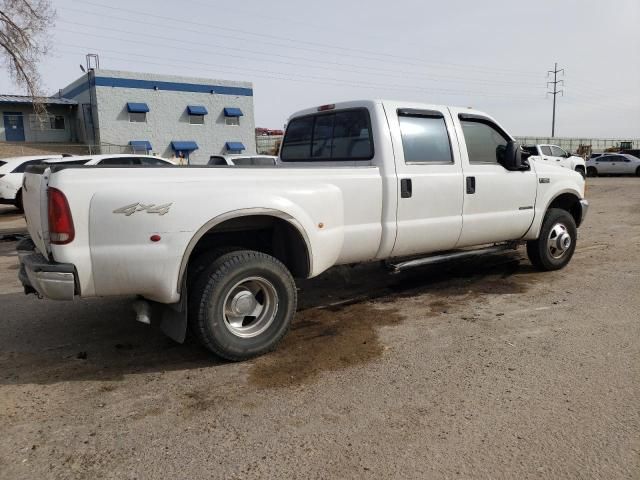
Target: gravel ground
x: 482, y: 369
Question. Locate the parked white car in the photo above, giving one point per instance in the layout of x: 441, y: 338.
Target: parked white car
x: 557, y: 156
x: 219, y: 248
x: 254, y: 160
x: 613, y: 164
x: 121, y: 159
x: 11, y: 175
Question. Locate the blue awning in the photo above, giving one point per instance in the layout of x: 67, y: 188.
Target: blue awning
x: 232, y: 112
x: 197, y: 110
x: 140, y: 144
x: 133, y: 107
x: 186, y: 146
x: 235, y: 146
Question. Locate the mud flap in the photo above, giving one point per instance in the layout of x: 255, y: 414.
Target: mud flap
x: 173, y: 317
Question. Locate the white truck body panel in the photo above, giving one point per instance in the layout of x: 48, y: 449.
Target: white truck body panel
x: 347, y: 212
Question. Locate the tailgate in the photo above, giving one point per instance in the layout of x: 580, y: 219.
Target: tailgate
x: 34, y: 198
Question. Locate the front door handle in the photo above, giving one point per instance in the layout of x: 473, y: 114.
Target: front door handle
x: 471, y: 185
x: 406, y: 188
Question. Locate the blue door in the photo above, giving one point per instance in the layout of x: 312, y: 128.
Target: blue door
x: 13, y: 127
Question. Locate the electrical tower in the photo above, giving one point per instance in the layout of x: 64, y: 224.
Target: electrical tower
x: 555, y: 92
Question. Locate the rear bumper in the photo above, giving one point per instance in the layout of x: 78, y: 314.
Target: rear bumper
x: 56, y: 281
x: 584, y: 208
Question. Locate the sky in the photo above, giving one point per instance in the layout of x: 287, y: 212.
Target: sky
x: 492, y: 55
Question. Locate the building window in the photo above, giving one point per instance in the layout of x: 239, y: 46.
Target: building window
x: 232, y: 120
x: 136, y: 117
x: 196, y: 119
x: 46, y: 122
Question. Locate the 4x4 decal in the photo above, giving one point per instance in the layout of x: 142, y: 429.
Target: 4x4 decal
x: 129, y: 210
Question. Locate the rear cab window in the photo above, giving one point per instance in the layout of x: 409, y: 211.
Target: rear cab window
x: 335, y: 136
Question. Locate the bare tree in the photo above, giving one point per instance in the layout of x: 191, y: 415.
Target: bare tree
x: 24, y: 25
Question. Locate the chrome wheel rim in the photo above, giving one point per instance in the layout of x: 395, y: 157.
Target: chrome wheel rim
x: 559, y: 240
x: 250, y: 307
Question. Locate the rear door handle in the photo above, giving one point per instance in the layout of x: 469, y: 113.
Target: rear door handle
x: 406, y: 188
x: 471, y: 185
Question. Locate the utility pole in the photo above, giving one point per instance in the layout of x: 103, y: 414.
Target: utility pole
x: 555, y: 92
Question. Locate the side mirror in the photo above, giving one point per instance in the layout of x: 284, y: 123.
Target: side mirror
x: 513, y: 157
x: 568, y: 155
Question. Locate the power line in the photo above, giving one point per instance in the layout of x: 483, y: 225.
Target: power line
x: 316, y: 64
x: 341, y: 50
x: 301, y: 78
x: 555, y: 92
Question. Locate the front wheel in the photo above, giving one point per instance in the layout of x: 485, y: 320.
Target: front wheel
x: 580, y: 170
x: 592, y: 172
x: 638, y: 172
x: 242, y: 305
x: 553, y: 249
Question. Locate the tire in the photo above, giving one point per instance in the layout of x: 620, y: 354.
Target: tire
x: 580, y: 170
x: 554, y: 247
x: 592, y: 172
x: 638, y: 172
x: 204, y: 260
x: 242, y: 305
x: 19, y: 204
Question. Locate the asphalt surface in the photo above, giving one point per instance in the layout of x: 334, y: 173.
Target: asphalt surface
x: 482, y: 369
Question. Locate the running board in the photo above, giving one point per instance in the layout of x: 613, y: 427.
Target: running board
x: 444, y: 257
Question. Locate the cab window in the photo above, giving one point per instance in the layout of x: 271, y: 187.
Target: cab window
x: 23, y: 167
x: 546, y: 150
x: 425, y: 139
x: 120, y: 161
x: 485, y: 143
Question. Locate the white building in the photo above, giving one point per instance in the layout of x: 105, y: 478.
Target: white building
x: 163, y: 114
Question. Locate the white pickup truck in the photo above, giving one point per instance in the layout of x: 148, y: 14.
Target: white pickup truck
x: 555, y: 155
x: 218, y: 248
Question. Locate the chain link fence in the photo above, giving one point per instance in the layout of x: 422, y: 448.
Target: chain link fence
x: 8, y: 149
x: 268, y: 144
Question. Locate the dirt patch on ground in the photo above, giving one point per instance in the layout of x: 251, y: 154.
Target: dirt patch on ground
x: 344, y: 332
x: 324, y: 340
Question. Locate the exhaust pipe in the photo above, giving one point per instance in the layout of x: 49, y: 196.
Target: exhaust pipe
x: 143, y: 311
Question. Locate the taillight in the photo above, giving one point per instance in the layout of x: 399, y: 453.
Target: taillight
x: 61, y: 229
